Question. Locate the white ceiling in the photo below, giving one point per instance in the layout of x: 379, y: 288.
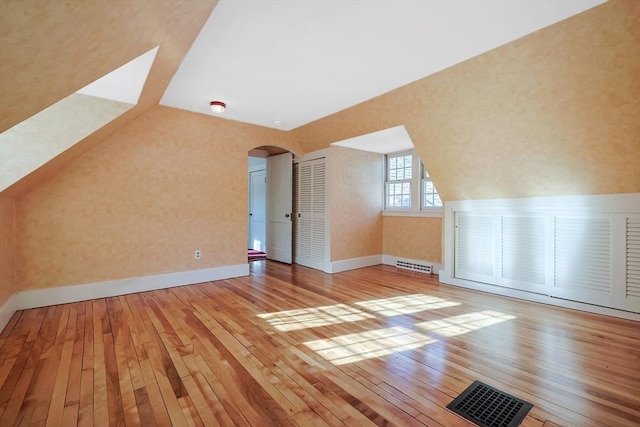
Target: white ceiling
x: 124, y: 84
x: 384, y: 141
x: 298, y: 61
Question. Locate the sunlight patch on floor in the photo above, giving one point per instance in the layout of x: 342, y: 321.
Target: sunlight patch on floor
x: 292, y: 320
x: 405, y: 304
x: 368, y: 345
x: 459, y: 325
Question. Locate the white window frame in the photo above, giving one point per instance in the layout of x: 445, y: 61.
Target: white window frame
x: 417, y: 182
x: 411, y: 181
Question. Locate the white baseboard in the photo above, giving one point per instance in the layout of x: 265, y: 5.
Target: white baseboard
x: 7, y: 311
x: 392, y: 260
x: 354, y: 263
x: 67, y: 294
x: 445, y: 277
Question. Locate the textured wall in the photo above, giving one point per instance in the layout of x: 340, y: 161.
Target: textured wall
x: 553, y: 113
x: 7, y: 249
x: 141, y: 202
x: 355, y: 203
x: 415, y: 238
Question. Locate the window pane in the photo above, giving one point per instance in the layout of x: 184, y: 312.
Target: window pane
x: 428, y: 187
x: 407, y: 172
x: 430, y: 197
x: 392, y: 162
x: 406, y: 188
x: 400, y: 162
x: 400, y: 174
x: 406, y: 201
x: 392, y: 175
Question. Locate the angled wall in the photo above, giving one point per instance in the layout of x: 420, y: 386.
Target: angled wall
x: 553, y: 113
x: 141, y: 202
x: 355, y: 194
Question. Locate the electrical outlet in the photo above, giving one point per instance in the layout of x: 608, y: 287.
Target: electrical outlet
x: 198, y: 254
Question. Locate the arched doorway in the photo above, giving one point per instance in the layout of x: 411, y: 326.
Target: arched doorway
x: 269, y: 221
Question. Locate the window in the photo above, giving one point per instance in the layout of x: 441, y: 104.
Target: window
x: 408, y: 186
x: 399, y: 173
x: 430, y: 196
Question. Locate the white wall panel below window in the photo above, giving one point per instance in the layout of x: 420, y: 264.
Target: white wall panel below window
x: 583, y: 259
x: 523, y: 255
x: 474, y: 246
x: 631, y: 298
x: 583, y: 249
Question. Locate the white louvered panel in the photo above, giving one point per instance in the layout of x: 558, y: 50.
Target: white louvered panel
x: 303, y: 239
x: 318, y: 184
x: 296, y: 209
x: 318, y: 239
x: 632, y: 267
x: 523, y: 249
x: 304, y: 187
x: 474, y: 250
x: 583, y: 254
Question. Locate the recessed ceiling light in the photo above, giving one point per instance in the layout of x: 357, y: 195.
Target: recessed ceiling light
x: 218, y: 107
x: 277, y: 122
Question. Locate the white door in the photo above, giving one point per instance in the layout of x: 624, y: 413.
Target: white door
x: 279, y: 192
x: 258, y: 210
x: 310, y: 214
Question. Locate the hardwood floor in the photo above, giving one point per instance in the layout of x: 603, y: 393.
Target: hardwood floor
x: 294, y: 346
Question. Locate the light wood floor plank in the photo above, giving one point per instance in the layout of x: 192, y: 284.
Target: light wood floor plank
x: 291, y: 346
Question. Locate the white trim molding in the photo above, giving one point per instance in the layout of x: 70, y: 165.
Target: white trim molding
x: 539, y: 298
x: 354, y: 263
x: 67, y: 294
x: 425, y: 213
x: 7, y: 311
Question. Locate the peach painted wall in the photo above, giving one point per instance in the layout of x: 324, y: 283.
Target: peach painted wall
x: 142, y: 201
x: 7, y: 249
x: 355, y: 203
x: 553, y: 113
x: 415, y: 238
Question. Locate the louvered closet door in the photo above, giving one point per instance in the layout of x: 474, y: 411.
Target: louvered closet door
x: 474, y: 247
x: 583, y: 259
x: 310, y: 214
x: 631, y: 299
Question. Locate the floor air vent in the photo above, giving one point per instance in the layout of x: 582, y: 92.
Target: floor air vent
x: 490, y: 407
x: 422, y: 268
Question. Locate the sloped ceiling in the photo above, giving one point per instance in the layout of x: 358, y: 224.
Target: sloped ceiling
x: 51, y: 49
x: 283, y: 64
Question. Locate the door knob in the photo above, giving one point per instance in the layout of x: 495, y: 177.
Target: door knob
x: 286, y: 215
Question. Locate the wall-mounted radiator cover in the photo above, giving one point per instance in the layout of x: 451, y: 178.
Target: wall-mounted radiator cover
x: 421, y: 268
